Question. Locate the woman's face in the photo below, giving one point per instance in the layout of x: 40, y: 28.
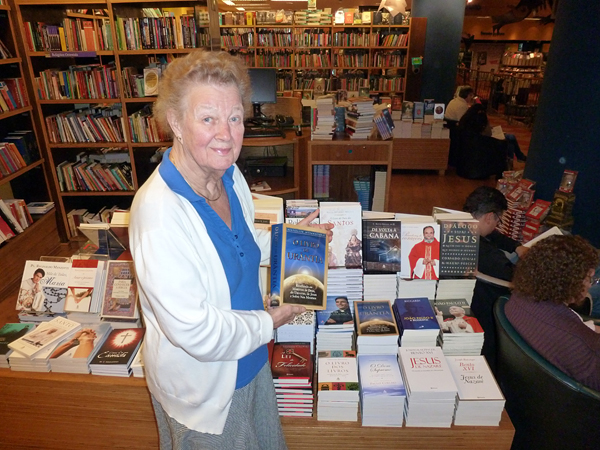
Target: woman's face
x: 212, y: 129
x: 587, y: 284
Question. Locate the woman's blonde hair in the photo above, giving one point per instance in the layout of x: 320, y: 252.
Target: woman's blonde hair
x: 200, y: 67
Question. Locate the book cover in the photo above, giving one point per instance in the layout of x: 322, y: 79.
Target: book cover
x: 420, y: 249
x: 44, y: 336
x: 43, y: 287
x: 299, y: 265
x: 381, y: 246
x: 120, y: 347
x: 454, y: 316
x: 11, y: 332
x: 426, y: 372
x: 82, y: 280
x: 416, y: 314
x: 82, y: 344
x: 337, y: 374
x: 374, y: 318
x: 380, y: 376
x: 459, y: 248
x: 292, y: 360
x: 474, y: 378
x: 336, y: 313
x: 345, y: 249
x: 120, y: 292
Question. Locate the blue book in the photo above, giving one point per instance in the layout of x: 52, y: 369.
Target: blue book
x: 379, y: 375
x: 415, y: 314
x: 299, y: 266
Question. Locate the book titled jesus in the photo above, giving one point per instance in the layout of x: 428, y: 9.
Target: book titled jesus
x: 299, y: 266
x: 459, y: 248
x: 381, y: 246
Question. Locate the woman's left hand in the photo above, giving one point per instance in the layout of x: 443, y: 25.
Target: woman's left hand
x: 284, y: 314
x: 323, y: 226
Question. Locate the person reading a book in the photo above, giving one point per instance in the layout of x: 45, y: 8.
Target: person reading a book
x: 475, y: 120
x: 342, y: 314
x: 197, y: 256
x: 496, y: 261
x: 556, y: 273
x: 31, y: 296
x: 424, y: 257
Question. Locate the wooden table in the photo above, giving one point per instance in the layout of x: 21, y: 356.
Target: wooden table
x: 54, y: 411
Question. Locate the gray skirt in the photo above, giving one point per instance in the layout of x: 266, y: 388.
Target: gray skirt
x: 252, y: 423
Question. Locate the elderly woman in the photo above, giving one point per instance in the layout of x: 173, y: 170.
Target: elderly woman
x: 555, y: 273
x: 197, y: 259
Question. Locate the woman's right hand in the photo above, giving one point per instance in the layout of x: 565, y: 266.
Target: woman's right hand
x: 284, y: 314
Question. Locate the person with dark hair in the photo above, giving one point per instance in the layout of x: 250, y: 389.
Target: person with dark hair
x: 475, y: 120
x: 556, y: 273
x: 31, y: 297
x: 497, y: 257
x: 460, y: 104
x: 342, y: 314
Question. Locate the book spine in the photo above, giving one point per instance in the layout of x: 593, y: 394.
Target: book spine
x: 277, y: 239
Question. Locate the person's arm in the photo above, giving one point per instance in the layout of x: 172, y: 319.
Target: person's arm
x: 493, y: 262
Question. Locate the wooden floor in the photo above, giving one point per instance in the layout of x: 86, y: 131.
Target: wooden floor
x: 417, y: 192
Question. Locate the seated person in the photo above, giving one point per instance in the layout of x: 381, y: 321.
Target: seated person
x: 558, y: 272
x: 497, y: 254
x: 460, y: 104
x: 476, y: 121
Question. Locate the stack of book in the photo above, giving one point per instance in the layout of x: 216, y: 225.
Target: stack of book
x: 415, y: 288
x: 381, y: 248
x: 73, y: 355
x: 338, y: 389
x: 85, y: 290
x: 300, y: 329
x: 39, y: 363
x: 335, y: 325
x: 376, y: 329
x: 323, y: 119
x: 8, y: 333
x: 519, y: 199
x: 359, y: 118
x: 455, y: 288
x: 379, y: 286
x: 417, y: 322
x: 296, y: 210
x: 462, y: 333
x: 292, y: 368
x: 14, y: 218
x: 345, y: 246
x: 430, y: 389
x: 346, y: 283
x: 115, y: 355
x: 39, y: 207
x: 480, y: 401
x: 534, y: 217
x: 120, y: 303
x: 137, y: 365
x: 382, y: 391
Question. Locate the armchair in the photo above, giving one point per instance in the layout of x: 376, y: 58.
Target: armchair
x: 549, y: 410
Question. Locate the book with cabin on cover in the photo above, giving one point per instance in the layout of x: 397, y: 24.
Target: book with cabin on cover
x: 381, y: 246
x: 459, y: 248
x: 345, y: 246
x: 375, y: 319
x: 299, y: 266
x: 43, y: 287
x: 120, y: 291
x: 292, y: 360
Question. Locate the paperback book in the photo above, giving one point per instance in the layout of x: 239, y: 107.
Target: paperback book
x: 459, y: 248
x: 420, y: 248
x: 43, y: 287
x: 44, y: 336
x: 381, y: 246
x: 346, y: 246
x: 299, y: 266
x: 375, y: 320
x: 9, y: 333
x: 292, y: 362
x: 115, y: 355
x: 120, y: 292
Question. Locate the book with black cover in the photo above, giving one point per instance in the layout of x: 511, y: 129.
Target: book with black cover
x: 381, y: 246
x: 459, y: 248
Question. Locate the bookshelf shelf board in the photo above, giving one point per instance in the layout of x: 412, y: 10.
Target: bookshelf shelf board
x: 15, y: 112
x: 156, y: 51
x: 68, y: 101
x: 10, y: 61
x: 47, y: 54
x: 85, y: 16
x: 60, y: 2
x: 151, y: 144
x: 140, y: 100
x: 4, y: 8
x: 95, y: 193
x: 391, y: 26
x: 20, y: 172
x: 398, y: 47
x: 87, y: 144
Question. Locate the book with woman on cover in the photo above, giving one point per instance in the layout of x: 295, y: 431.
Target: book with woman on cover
x: 345, y: 246
x: 299, y: 266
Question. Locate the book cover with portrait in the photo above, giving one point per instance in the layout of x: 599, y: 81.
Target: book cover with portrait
x: 346, y: 246
x: 420, y: 250
x: 299, y: 266
x: 43, y: 287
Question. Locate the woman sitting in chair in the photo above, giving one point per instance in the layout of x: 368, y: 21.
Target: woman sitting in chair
x: 556, y: 273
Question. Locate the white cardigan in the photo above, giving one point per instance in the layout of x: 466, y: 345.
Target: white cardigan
x: 193, y: 338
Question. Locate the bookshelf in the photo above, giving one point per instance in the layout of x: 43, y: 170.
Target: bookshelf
x: 29, y: 183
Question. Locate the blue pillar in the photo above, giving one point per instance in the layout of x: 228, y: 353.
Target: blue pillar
x: 566, y: 133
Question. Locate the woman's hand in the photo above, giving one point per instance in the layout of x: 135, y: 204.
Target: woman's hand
x: 323, y: 226
x: 284, y: 314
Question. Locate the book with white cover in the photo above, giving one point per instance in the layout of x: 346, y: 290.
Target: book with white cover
x: 44, y: 336
x: 346, y: 245
x: 551, y: 232
x: 473, y: 378
x: 338, y: 378
x: 43, y: 287
x: 380, y: 376
x: 84, y: 283
x: 426, y: 373
x: 413, y: 246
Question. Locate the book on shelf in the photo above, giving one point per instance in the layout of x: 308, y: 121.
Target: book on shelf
x: 120, y: 292
x: 44, y: 336
x: 345, y: 246
x: 299, y: 265
x: 43, y: 287
x: 268, y: 210
x: 39, y: 207
x: 381, y: 246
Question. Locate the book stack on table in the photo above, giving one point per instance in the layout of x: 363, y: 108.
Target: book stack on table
x: 292, y: 368
x: 430, y: 389
x: 8, y: 333
x: 338, y: 394
x: 380, y: 286
x: 74, y: 355
x: 417, y: 322
x: 462, y: 333
x: 300, y: 329
x: 376, y: 329
x: 115, y: 355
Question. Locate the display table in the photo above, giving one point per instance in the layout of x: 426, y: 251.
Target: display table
x: 54, y: 411
x: 421, y: 154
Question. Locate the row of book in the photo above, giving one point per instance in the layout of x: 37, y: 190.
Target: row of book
x: 5, y: 53
x: 74, y: 34
x: 14, y: 218
x: 64, y: 345
x: 13, y: 94
x: 143, y: 84
x: 88, y: 123
x: 18, y: 149
x: 90, y: 81
x: 104, y: 215
x: 86, y: 174
x: 143, y: 127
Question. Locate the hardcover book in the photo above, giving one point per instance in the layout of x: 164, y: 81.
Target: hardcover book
x: 375, y: 319
x: 44, y: 336
x: 43, y: 287
x: 120, y: 291
x: 292, y: 360
x: 459, y: 248
x: 299, y: 266
x: 381, y: 246
x: 346, y: 246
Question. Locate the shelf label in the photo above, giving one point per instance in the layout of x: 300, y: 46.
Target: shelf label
x: 71, y: 55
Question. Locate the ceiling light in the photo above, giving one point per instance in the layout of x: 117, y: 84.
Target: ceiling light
x: 228, y: 2
x: 240, y: 8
